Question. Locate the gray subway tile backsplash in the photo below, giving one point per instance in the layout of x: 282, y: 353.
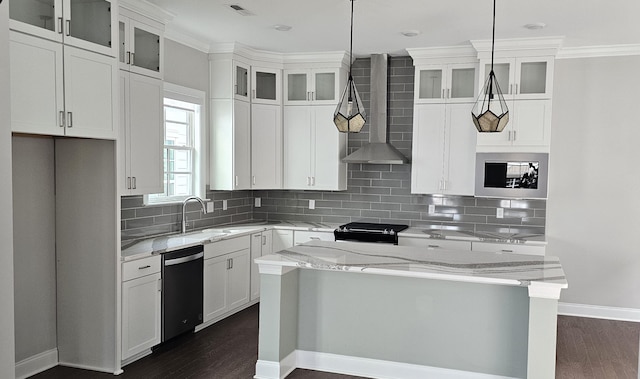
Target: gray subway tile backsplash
x: 376, y: 192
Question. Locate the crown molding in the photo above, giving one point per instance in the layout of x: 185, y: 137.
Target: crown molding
x: 322, y: 58
x: 179, y: 36
x: 147, y: 9
x: 543, y: 46
x: 598, y: 51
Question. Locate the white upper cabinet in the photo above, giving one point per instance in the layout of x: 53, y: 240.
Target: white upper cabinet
x: 141, y: 134
x: 241, y: 83
x: 444, y: 154
x: 312, y: 86
x: 72, y: 93
x: 266, y: 85
x: 523, y: 77
x: 446, y: 83
x: 266, y: 146
x: 89, y: 25
x: 141, y: 44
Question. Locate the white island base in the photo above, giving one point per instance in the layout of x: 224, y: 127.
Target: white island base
x: 384, y: 311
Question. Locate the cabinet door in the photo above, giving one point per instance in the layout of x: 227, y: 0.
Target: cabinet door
x: 256, y: 252
x: 297, y: 87
x: 265, y: 86
x: 533, y: 78
x: 42, y: 18
x: 460, y: 151
x: 428, y: 148
x: 241, y: 84
x: 140, y: 314
x: 91, y: 25
x: 504, y: 69
x: 327, y: 150
x: 90, y: 90
x: 146, y: 134
x: 430, y: 85
x: 238, y: 278
x: 37, y: 97
x: 297, y: 146
x: 215, y: 287
x: 461, y: 83
x: 532, y: 123
x: 325, y: 86
x: 266, y: 146
x: 267, y: 242
x: 241, y: 145
x: 147, y: 45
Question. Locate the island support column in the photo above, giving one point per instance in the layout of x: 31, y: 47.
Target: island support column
x: 278, y: 328
x: 543, y: 322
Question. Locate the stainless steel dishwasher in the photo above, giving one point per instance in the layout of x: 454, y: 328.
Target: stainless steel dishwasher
x: 182, y: 272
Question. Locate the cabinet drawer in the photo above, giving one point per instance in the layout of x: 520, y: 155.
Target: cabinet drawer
x: 433, y: 244
x: 140, y: 267
x: 223, y: 247
x: 302, y: 236
x: 508, y: 248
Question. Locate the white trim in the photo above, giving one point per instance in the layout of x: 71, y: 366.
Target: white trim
x: 87, y: 367
x: 37, y: 363
x: 379, y: 369
x: 148, y: 10
x: 597, y: 311
x: 598, y: 51
x: 179, y: 36
x: 545, y: 290
x: 271, y: 269
x: 276, y: 370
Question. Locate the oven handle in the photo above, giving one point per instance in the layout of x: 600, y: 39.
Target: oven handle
x: 177, y: 261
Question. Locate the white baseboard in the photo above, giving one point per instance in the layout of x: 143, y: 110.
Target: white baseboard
x: 369, y: 368
x: 596, y: 311
x: 37, y: 363
x: 87, y: 367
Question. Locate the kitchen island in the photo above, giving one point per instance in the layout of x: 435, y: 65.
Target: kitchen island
x: 384, y: 311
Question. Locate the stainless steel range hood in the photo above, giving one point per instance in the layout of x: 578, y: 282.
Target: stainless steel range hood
x: 378, y: 150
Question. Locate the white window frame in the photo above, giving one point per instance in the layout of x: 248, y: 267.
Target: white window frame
x: 198, y: 97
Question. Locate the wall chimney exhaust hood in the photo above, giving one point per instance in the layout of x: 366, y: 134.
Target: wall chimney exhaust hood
x: 378, y: 150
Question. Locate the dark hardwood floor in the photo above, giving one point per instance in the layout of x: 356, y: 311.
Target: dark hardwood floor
x: 587, y: 348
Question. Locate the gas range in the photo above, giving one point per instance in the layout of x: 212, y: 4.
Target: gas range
x: 369, y: 232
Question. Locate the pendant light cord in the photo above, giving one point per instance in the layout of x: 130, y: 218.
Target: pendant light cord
x: 493, y: 35
x: 351, y: 41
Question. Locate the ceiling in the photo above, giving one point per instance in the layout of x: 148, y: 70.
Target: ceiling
x: 323, y: 25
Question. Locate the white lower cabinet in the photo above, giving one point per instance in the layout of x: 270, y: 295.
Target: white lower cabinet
x: 282, y: 239
x: 261, y: 244
x: 226, y: 276
x: 512, y: 248
x: 302, y: 236
x: 434, y: 244
x: 141, y: 299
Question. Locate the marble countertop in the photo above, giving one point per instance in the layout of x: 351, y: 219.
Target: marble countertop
x: 515, y: 238
x: 408, y: 261
x: 137, y: 249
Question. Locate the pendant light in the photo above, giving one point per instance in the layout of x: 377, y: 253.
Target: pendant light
x: 490, y: 112
x: 350, y: 115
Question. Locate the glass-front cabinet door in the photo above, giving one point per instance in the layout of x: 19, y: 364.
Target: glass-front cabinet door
x: 430, y: 85
x: 325, y: 88
x: 266, y: 86
x: 140, y: 47
x: 241, y: 81
x: 306, y: 86
x: 446, y: 83
x: 297, y: 87
x: 88, y: 24
x: 522, y: 78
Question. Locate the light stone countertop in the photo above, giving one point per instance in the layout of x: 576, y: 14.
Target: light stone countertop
x: 137, y: 249
x: 408, y: 261
x: 461, y: 235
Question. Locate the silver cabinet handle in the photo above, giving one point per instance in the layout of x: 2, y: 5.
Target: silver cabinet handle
x: 128, y: 57
x: 313, y: 181
x: 254, y: 94
x: 62, y: 119
x: 188, y: 258
x: 517, y: 89
x: 231, y: 260
x: 144, y: 267
x: 69, y: 119
x: 433, y: 246
x: 510, y: 88
x: 509, y: 136
x: 134, y: 182
x: 506, y: 251
x: 308, y: 180
x: 253, y: 180
x: 514, y: 135
x: 68, y: 31
x: 442, y: 97
x: 128, y: 182
x: 313, y: 96
x: 264, y: 240
x: 160, y: 285
x: 133, y: 59
x: 448, y: 93
x: 236, y: 180
x: 60, y: 25
x: 314, y: 238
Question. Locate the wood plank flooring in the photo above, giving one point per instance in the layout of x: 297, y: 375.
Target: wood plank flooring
x: 587, y: 349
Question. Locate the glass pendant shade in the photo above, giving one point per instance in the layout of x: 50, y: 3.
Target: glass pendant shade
x: 490, y: 112
x: 350, y: 115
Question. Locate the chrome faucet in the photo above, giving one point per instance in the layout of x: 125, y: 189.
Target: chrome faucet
x: 184, y: 209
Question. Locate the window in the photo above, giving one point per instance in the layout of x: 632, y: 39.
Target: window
x: 183, y: 149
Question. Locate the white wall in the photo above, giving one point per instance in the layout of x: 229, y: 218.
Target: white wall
x: 185, y: 66
x: 593, y: 210
x: 7, y: 347
x: 34, y: 241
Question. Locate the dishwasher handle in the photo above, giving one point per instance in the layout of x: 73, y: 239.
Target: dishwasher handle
x: 188, y: 258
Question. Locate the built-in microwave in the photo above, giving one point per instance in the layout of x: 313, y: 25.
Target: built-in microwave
x: 515, y: 175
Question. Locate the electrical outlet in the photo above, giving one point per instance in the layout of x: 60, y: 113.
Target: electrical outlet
x: 224, y: 205
x: 312, y: 204
x: 257, y: 202
x: 209, y: 206
x: 500, y: 212
x: 432, y: 209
